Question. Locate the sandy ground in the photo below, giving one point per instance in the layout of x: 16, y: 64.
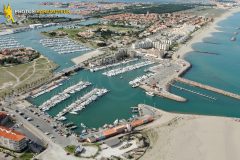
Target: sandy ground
x: 116, y: 151
x: 87, y: 56
x: 192, y: 137
x: 204, y: 32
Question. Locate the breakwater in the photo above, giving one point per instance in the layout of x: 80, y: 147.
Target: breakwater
x: 210, y: 88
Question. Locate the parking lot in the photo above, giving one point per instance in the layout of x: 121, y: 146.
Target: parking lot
x: 54, y: 130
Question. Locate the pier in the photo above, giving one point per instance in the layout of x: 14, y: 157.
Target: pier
x: 128, y: 68
x: 191, y: 91
x: 81, y: 103
x: 206, y: 87
x: 163, y: 93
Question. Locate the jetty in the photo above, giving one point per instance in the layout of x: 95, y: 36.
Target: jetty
x: 206, y: 87
x: 194, y: 92
x: 209, y: 42
x: 205, y: 52
x: 82, y: 102
x: 163, y: 93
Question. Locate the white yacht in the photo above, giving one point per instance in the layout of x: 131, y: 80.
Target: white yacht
x: 150, y: 94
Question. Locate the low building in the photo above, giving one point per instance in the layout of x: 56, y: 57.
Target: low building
x: 12, y: 140
x: 4, y: 118
x: 119, y: 129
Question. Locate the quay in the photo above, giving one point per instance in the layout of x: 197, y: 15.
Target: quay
x: 164, y: 94
x: 203, y: 86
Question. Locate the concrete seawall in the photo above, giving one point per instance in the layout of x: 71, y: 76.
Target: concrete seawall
x: 164, y: 94
x: 206, y: 87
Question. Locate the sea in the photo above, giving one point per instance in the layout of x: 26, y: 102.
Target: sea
x: 221, y: 70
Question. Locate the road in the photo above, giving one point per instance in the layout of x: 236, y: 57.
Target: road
x: 54, y: 150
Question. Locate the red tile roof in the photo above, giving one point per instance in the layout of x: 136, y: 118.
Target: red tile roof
x: 109, y: 132
x: 137, y: 123
x: 11, y: 134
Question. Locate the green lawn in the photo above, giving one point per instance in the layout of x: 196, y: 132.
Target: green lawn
x: 5, y: 76
x: 25, y: 73
x: 71, y: 149
x: 25, y: 156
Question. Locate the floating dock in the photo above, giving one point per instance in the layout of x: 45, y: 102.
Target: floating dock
x: 206, y: 87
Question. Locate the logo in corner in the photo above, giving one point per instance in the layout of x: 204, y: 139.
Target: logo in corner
x: 8, y: 14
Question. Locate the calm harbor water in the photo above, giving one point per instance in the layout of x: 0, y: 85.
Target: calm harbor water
x: 220, y: 71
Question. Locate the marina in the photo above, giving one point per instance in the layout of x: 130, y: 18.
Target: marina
x: 77, y: 87
x: 48, y: 88
x: 9, y: 43
x: 54, y: 101
x: 82, y: 102
x: 63, y: 45
x: 121, y: 106
x: 99, y: 68
x: 128, y: 68
x: 63, y: 95
x: 135, y: 92
x: 136, y: 82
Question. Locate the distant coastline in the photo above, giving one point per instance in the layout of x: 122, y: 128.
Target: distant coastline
x: 204, y: 32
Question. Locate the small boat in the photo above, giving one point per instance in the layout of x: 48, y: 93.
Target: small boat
x: 73, y: 112
x: 135, y: 85
x: 70, y: 124
x: 62, y: 118
x: 116, y: 122
x: 73, y: 127
x: 233, y: 39
x: 82, y: 125
x: 150, y: 94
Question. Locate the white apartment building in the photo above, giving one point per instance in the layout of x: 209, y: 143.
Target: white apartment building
x: 12, y: 140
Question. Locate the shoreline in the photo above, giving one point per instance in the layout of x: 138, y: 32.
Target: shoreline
x: 204, y: 32
x: 211, y: 135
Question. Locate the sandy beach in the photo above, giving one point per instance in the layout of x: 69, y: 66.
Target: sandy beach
x: 192, y: 137
x: 87, y: 56
x: 204, y: 32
